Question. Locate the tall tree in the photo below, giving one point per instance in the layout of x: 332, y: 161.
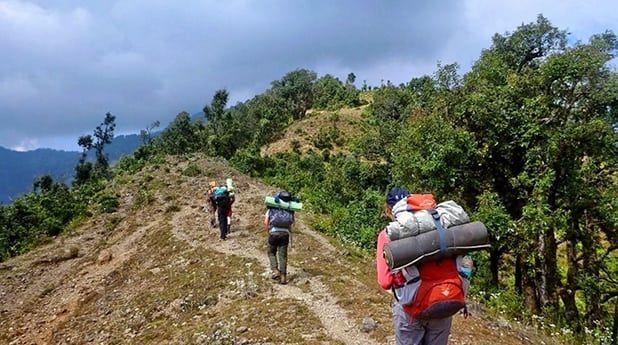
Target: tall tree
x: 145, y: 135
x: 542, y: 117
x: 296, y: 89
x: 103, y: 134
x: 216, y: 109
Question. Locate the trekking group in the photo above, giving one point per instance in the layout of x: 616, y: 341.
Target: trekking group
x: 421, y: 255
x: 278, y: 222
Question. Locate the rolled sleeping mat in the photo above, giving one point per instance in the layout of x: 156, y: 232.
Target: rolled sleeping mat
x: 291, y: 206
x: 457, y: 240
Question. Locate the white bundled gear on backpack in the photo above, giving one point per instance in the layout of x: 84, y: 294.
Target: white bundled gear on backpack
x: 413, y: 222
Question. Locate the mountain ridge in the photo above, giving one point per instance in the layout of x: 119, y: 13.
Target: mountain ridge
x: 153, y: 272
x: 18, y: 169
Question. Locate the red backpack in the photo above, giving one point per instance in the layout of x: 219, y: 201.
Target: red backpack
x: 441, y: 292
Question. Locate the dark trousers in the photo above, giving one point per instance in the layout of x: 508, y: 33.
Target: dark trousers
x: 278, y: 247
x: 222, y: 216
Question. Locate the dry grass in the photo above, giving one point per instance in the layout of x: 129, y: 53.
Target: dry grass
x: 347, y: 121
x: 169, y: 281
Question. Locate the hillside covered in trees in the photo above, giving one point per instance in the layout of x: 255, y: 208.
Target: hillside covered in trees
x: 19, y: 169
x: 526, y: 141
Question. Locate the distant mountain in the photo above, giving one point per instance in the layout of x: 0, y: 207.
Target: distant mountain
x: 198, y: 117
x: 122, y: 145
x: 19, y: 169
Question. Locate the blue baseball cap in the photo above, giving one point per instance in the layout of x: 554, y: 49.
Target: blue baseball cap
x: 396, y: 194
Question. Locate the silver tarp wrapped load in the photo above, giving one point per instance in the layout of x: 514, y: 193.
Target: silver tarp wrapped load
x: 411, y: 223
x: 457, y: 240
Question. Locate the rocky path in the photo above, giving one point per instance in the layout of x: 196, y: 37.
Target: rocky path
x: 244, y: 242
x: 155, y: 272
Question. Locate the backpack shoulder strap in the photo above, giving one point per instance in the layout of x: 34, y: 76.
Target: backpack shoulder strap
x: 441, y: 231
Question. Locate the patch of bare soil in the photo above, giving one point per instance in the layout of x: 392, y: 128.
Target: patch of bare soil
x: 155, y: 272
x: 303, y: 134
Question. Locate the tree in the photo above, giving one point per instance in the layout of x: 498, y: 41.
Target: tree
x: 391, y: 103
x: 145, y: 135
x: 104, y: 134
x: 541, y: 113
x: 329, y: 93
x: 296, y: 89
x: 83, y: 169
x: 43, y: 183
x: 214, y: 112
x: 350, y: 79
x: 181, y: 136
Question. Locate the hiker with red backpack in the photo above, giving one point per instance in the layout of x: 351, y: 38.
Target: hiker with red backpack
x: 426, y: 294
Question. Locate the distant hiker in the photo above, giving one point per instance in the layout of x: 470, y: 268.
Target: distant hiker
x: 278, y: 222
x: 230, y: 187
x: 428, y: 294
x: 211, y: 205
x: 223, y: 203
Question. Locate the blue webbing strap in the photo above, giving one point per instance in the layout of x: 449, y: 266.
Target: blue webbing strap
x: 441, y: 232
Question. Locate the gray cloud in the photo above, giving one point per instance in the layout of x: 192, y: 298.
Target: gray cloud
x: 65, y: 63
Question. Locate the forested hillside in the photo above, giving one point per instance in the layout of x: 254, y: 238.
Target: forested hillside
x: 526, y: 141
x: 18, y: 170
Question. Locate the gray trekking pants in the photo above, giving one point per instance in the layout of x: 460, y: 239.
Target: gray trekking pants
x: 278, y: 246
x: 414, y: 332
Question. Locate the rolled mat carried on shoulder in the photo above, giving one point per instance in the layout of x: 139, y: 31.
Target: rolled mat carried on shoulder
x: 458, y: 240
x: 292, y: 206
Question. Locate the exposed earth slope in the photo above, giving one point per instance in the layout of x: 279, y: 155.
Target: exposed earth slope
x: 155, y: 272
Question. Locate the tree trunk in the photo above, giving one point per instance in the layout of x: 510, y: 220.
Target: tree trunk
x: 529, y: 288
x: 591, y: 262
x: 540, y: 273
x: 552, y: 279
x: 615, y: 328
x: 518, y: 279
x: 568, y: 292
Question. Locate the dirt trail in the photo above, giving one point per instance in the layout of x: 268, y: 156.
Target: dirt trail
x: 155, y: 272
x: 243, y: 242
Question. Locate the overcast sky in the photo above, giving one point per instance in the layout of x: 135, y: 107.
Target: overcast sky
x: 65, y: 63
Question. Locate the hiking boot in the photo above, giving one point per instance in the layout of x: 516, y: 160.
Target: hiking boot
x: 284, y: 279
x: 275, y: 275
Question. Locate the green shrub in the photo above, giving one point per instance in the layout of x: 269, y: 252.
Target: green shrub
x: 144, y: 197
x: 295, y: 146
x: 325, y: 138
x: 250, y: 161
x: 192, y: 170
x: 109, y: 203
x: 129, y: 164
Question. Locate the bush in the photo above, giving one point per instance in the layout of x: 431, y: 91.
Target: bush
x: 250, y: 161
x: 360, y: 221
x: 192, y: 170
x: 109, y: 203
x: 130, y: 164
x: 34, y: 217
x: 325, y: 138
